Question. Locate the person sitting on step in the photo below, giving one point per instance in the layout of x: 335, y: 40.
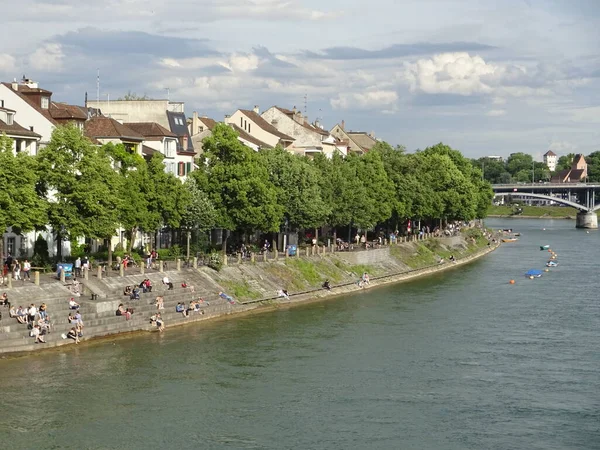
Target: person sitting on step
x: 135, y: 294
x: 37, y: 334
x: 72, y: 334
x: 168, y: 283
x: 127, y: 290
x: 326, y: 285
x: 73, y: 304
x: 160, y: 303
x: 4, y: 300
x: 180, y: 308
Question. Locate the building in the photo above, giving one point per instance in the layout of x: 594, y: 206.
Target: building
x: 495, y: 158
x: 358, y: 142
x: 251, y: 122
x: 103, y: 130
x: 169, y: 115
x: 200, y: 127
x: 550, y: 159
x: 158, y: 139
x: 577, y: 173
x: 309, y: 139
x: 24, y: 140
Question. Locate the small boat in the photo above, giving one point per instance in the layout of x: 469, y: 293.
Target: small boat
x: 533, y: 273
x: 509, y: 240
x: 517, y: 234
x: 544, y: 247
x: 552, y: 263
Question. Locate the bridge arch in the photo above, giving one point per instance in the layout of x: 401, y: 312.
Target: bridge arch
x: 547, y: 197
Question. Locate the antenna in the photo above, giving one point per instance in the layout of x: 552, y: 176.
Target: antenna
x: 168, y: 93
x: 98, y: 88
x: 305, y: 103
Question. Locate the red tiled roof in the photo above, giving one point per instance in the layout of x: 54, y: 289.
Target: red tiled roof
x: 306, y: 125
x: 248, y: 137
x: 66, y: 111
x: 106, y: 127
x: 150, y: 129
x: 262, y: 123
x: 16, y: 130
x: 19, y: 92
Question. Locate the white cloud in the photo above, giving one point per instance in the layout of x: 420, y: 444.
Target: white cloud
x: 48, y: 57
x: 7, y: 63
x: 242, y: 63
x: 366, y: 100
x: 170, y: 62
x: 449, y: 73
x: 496, y: 113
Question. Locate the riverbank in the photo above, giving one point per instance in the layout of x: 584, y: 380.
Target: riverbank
x: 533, y: 212
x: 252, y: 285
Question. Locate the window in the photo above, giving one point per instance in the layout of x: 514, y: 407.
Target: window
x: 248, y: 128
x: 45, y: 102
x: 9, y: 119
x: 181, y: 169
x: 10, y: 245
x: 200, y: 129
x: 241, y: 122
x: 169, y: 148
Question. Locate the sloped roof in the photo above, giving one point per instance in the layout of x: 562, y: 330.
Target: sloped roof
x: 578, y: 158
x: 362, y: 139
x: 308, y: 126
x: 148, y: 151
x: 549, y: 153
x: 23, y: 88
x: 248, y: 137
x: 210, y: 123
x: 106, y: 127
x: 150, y: 129
x: 17, y: 130
x: 262, y: 123
x: 65, y: 111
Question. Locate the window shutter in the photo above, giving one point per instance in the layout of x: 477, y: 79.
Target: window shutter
x: 188, y: 168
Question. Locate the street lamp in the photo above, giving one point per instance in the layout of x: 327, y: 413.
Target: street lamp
x: 533, y: 172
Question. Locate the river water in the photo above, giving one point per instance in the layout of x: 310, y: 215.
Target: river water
x: 461, y: 360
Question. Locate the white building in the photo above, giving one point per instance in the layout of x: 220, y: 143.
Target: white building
x: 309, y: 139
x: 262, y: 131
x: 550, y: 159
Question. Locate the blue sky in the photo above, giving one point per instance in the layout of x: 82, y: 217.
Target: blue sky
x: 485, y: 77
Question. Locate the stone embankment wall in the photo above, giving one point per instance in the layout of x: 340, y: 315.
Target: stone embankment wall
x: 253, y: 285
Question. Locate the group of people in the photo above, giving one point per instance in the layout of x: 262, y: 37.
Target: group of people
x: 364, y: 280
x: 133, y: 292
x: 18, y: 270
x: 123, y: 311
x: 194, y: 306
x: 80, y: 264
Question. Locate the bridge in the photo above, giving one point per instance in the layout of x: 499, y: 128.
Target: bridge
x: 581, y: 196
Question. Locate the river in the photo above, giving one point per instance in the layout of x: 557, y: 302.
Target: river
x: 460, y: 360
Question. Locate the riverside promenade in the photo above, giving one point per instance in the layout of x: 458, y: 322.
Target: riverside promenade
x: 262, y: 277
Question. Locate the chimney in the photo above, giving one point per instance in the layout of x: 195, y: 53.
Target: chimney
x: 294, y: 110
x: 194, y: 125
x: 343, y: 125
x: 227, y: 117
x: 15, y: 85
x: 256, y: 109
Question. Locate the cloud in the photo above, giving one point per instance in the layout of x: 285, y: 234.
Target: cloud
x: 7, y: 63
x: 449, y: 73
x: 396, y: 50
x: 242, y: 62
x: 95, y: 41
x: 366, y: 100
x: 496, y: 113
x: 49, y: 57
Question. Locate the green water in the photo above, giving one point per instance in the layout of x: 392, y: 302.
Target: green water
x: 462, y: 360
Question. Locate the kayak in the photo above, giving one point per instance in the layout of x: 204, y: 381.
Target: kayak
x: 509, y: 240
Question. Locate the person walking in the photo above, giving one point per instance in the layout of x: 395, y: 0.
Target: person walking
x: 26, y: 270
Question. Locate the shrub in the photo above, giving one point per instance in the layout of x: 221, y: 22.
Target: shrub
x: 40, y: 252
x: 215, y: 261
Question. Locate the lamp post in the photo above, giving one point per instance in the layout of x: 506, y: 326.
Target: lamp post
x: 533, y: 172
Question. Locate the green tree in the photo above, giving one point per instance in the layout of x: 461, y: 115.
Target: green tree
x: 298, y: 189
x: 82, y: 185
x: 519, y: 161
x: 593, y: 162
x: 20, y: 207
x: 564, y: 162
x: 238, y: 185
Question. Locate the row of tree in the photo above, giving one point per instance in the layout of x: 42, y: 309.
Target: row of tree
x: 83, y: 190
x: 521, y: 168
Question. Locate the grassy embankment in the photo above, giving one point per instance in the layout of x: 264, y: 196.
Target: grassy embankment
x: 297, y: 275
x: 429, y: 252
x: 558, y: 212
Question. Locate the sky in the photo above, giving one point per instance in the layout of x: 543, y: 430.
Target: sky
x: 483, y: 76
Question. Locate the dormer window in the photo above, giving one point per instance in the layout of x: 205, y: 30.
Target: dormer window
x: 9, y: 119
x: 45, y: 102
